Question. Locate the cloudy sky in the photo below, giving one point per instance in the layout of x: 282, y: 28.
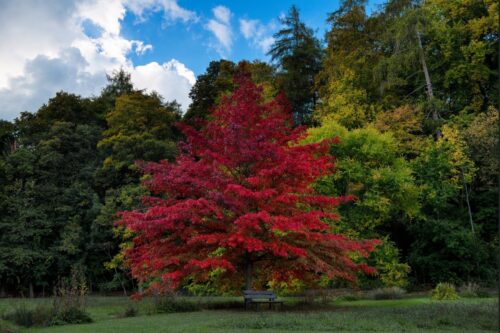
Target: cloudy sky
x: 52, y: 45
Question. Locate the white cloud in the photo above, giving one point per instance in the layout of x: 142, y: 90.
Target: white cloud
x: 109, y: 49
x: 172, y: 80
x: 29, y: 29
x: 265, y: 43
x: 258, y: 34
x: 248, y: 27
x: 141, y: 48
x: 223, y: 14
x: 182, y: 70
x: 44, y: 76
x: 222, y: 32
x: 105, y: 13
x: 44, y: 49
x: 170, y: 8
x: 220, y: 26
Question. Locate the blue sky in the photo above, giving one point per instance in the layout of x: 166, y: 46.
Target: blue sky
x: 190, y: 44
x: 70, y: 45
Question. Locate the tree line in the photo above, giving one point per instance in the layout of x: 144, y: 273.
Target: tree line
x: 409, y: 90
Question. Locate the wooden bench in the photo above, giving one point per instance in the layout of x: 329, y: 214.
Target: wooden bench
x: 258, y: 297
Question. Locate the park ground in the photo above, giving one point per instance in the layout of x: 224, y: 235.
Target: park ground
x: 223, y: 314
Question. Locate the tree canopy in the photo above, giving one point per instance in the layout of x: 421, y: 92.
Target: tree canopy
x: 395, y: 108
x: 238, y: 203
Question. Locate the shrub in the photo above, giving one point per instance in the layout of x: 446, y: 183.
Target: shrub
x: 42, y: 316
x: 71, y: 293
x: 483, y: 293
x: 72, y: 315
x: 469, y: 289
x: 6, y: 327
x: 130, y: 311
x: 444, y: 291
x: 171, y: 304
x: 350, y: 298
x: 324, y: 296
x: 70, y: 300
x: 387, y: 293
x: 23, y: 316
x: 391, y: 272
x: 68, y: 306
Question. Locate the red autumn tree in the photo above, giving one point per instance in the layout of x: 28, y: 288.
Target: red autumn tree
x: 239, y: 201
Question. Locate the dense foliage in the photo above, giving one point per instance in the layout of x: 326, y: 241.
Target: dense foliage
x: 238, y: 204
x: 410, y: 90
x: 297, y: 54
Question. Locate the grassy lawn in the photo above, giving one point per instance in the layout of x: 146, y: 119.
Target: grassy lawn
x: 405, y: 315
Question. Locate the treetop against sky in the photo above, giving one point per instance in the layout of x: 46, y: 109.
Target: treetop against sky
x: 46, y: 47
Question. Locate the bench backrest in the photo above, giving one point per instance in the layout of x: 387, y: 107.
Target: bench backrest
x: 256, y: 294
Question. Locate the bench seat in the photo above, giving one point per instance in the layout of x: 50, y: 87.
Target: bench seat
x: 260, y: 297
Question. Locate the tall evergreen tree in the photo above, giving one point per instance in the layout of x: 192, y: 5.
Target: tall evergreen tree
x: 218, y: 80
x: 209, y: 86
x: 346, y: 86
x: 297, y: 53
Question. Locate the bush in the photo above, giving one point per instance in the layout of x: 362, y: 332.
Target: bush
x: 130, y: 311
x: 27, y: 317
x: 387, y: 293
x: 386, y: 259
x: 350, y: 298
x: 21, y: 316
x: 6, y: 327
x: 444, y: 291
x: 323, y: 296
x: 71, y: 293
x: 470, y: 290
x: 68, y: 306
x: 71, y: 315
x: 483, y: 293
x: 42, y: 316
x: 70, y: 300
x: 171, y: 304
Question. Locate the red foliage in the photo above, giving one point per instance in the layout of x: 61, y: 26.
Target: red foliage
x: 240, y: 194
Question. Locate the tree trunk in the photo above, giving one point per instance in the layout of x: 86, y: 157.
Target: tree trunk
x: 32, y: 292
x: 20, y: 289
x: 430, y: 91
x: 248, y: 274
x: 13, y: 146
x: 468, y: 203
x: 121, y: 282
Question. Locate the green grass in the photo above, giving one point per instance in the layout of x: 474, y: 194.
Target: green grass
x: 410, y: 315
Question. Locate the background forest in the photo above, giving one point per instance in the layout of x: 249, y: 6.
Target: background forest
x: 411, y: 91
